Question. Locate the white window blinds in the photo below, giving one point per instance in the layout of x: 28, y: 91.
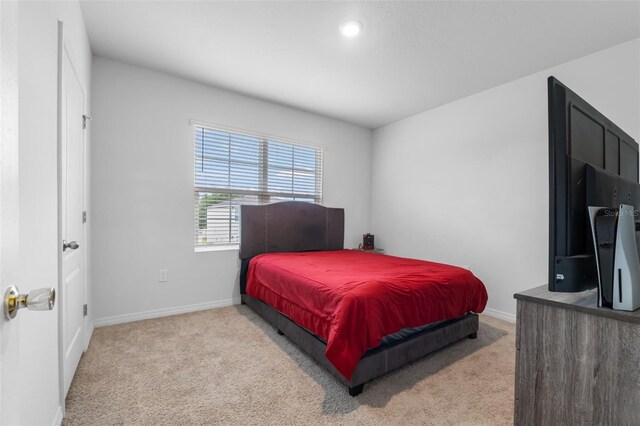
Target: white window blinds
x: 233, y: 169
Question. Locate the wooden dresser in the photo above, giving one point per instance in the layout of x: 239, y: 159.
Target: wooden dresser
x: 576, y: 364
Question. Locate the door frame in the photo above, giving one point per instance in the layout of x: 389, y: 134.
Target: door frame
x: 2, y: 71
x: 65, y: 49
x: 9, y: 178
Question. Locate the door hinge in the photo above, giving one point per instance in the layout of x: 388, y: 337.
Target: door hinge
x: 84, y: 121
x: 84, y: 310
x: 84, y: 216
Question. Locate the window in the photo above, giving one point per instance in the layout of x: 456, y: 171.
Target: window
x: 232, y: 169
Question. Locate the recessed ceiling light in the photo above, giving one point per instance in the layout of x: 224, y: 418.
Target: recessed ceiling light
x: 350, y: 28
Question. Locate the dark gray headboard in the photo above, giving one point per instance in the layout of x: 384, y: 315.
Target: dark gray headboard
x: 290, y: 226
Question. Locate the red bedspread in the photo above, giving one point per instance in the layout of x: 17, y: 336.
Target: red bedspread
x: 353, y: 299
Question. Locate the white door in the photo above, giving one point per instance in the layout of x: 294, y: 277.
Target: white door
x: 10, y: 377
x: 19, y: 380
x: 72, y: 288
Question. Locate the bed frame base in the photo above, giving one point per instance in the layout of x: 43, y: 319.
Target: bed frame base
x: 375, y: 362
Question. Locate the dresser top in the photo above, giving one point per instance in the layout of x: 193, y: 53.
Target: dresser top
x: 584, y: 301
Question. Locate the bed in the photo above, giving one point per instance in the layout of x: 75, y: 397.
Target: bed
x: 359, y: 315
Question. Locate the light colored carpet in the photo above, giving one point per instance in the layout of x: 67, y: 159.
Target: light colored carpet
x: 228, y: 366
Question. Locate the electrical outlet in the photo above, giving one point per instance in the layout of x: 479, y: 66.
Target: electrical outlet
x: 163, y: 276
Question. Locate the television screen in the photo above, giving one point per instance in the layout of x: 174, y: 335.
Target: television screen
x: 579, y: 135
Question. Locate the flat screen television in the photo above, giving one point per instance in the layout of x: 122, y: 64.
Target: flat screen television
x: 579, y: 135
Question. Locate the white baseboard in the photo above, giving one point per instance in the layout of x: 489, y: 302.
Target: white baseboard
x: 165, y: 312
x: 89, y: 334
x: 500, y: 315
x: 57, y: 420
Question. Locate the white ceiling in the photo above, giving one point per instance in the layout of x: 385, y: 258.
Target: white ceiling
x: 409, y: 57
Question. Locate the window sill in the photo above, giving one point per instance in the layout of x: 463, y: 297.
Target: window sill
x: 216, y: 248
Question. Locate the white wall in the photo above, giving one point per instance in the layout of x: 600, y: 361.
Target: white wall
x: 467, y: 183
x: 39, y: 245
x: 142, y: 204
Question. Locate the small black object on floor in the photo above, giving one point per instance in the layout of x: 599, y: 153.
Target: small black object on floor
x: 356, y: 390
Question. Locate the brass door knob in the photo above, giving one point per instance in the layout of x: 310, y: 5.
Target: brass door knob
x: 42, y: 299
